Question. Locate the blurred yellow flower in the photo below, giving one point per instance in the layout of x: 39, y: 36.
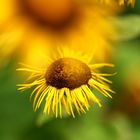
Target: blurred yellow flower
x: 49, y: 23
x: 121, y: 2
x: 128, y: 2
x: 67, y: 82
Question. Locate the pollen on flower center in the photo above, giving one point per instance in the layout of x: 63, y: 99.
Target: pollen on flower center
x: 67, y: 72
x: 54, y: 12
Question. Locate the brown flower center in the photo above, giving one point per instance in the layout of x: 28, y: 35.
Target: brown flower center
x: 54, y: 12
x: 67, y: 72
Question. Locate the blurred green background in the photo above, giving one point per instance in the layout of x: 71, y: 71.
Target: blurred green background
x: 118, y: 119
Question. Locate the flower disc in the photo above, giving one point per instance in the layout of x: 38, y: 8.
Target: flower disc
x: 67, y: 72
x: 54, y: 12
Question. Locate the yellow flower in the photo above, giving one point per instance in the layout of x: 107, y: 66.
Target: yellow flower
x: 48, y: 23
x: 66, y: 82
x: 120, y: 2
x: 128, y: 2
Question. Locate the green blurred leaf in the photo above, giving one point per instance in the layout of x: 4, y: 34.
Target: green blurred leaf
x: 128, y: 27
x: 122, y: 126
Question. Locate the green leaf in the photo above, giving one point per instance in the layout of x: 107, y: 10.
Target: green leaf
x: 127, y: 27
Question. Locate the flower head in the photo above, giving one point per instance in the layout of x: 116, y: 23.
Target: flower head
x: 66, y: 82
x: 52, y: 22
